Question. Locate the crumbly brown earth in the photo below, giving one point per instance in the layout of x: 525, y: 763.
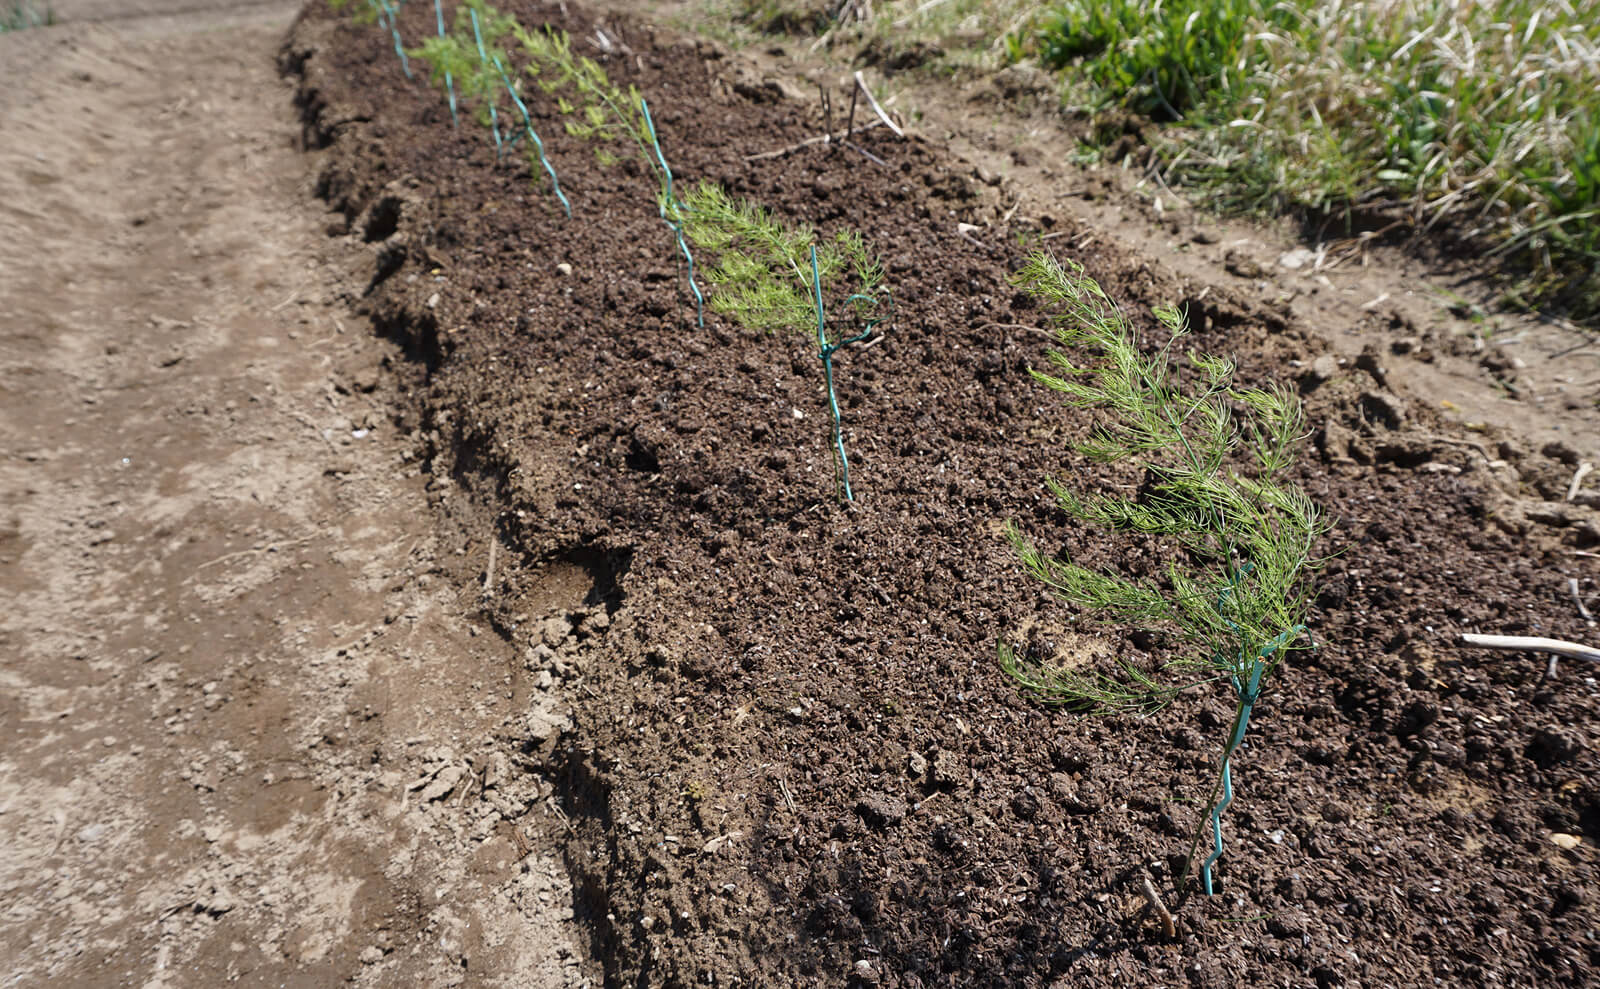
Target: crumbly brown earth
x: 794, y: 758
x: 764, y: 732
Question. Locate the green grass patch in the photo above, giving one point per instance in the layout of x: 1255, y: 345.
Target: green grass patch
x: 1475, y: 120
x: 1480, y: 119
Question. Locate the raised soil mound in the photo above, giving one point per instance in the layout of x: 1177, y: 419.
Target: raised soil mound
x: 793, y: 759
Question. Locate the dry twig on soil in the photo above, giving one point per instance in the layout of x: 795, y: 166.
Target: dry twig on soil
x: 873, y: 102
x: 1168, y: 925
x: 1518, y: 643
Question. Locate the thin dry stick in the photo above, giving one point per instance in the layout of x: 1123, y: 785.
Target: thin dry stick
x: 488, y: 572
x: 1518, y: 643
x: 269, y: 548
x: 873, y: 102
x: 850, y: 124
x: 1577, y: 479
x: 839, y: 15
x: 863, y: 152
x: 1167, y: 924
x: 1455, y: 441
x: 902, y: 22
x: 808, y: 142
x: 1577, y: 599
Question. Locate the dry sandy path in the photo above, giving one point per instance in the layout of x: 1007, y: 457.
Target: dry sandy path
x: 246, y: 728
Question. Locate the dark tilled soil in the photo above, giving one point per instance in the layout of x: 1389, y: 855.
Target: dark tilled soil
x: 794, y: 759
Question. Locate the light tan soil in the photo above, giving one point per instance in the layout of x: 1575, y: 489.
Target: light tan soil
x: 247, y: 727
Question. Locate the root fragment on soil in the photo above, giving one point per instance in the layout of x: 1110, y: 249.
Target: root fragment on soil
x: 1577, y: 598
x: 1577, y: 480
x: 1168, y: 925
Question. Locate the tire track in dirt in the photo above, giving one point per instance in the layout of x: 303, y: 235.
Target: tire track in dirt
x: 248, y: 721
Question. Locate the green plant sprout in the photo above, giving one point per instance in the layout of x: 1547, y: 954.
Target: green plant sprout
x: 463, y: 57
x: 18, y: 15
x: 771, y: 275
x: 479, y: 61
x: 1239, y: 536
x: 603, y: 113
x: 367, y: 14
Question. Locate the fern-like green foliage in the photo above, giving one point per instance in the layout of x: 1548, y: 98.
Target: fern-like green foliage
x: 456, y: 55
x: 365, y: 12
x: 762, y: 278
x: 1240, y: 536
x: 603, y: 111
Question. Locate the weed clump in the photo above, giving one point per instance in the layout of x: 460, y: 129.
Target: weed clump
x: 1238, y: 535
x: 1481, y: 116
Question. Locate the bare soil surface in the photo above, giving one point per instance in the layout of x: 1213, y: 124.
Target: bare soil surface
x: 794, y: 760
x: 249, y: 718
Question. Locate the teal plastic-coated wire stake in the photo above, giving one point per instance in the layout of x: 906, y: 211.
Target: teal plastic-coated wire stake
x: 826, y: 351
x: 527, y: 122
x: 449, y: 83
x: 1247, y: 701
x: 389, y: 11
x: 1248, y: 691
x: 494, y: 117
x: 677, y: 228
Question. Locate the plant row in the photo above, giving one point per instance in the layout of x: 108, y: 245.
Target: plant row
x: 1215, y: 456
x: 769, y: 274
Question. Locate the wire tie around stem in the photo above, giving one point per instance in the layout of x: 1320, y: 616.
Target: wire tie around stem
x: 1248, y: 692
x: 677, y: 206
x: 527, y: 122
x: 449, y: 83
x: 388, y: 10
x: 483, y: 56
x: 825, y: 350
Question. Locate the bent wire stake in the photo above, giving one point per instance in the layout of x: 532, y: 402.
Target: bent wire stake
x: 1248, y: 692
x: 1247, y: 701
x: 494, y: 117
x: 386, y: 16
x: 527, y: 122
x: 449, y: 83
x: 826, y: 351
x: 677, y: 226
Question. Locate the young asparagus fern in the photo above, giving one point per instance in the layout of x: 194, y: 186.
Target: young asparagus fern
x: 597, y: 109
x: 1238, y: 535
x: 771, y: 275
x: 464, y: 57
